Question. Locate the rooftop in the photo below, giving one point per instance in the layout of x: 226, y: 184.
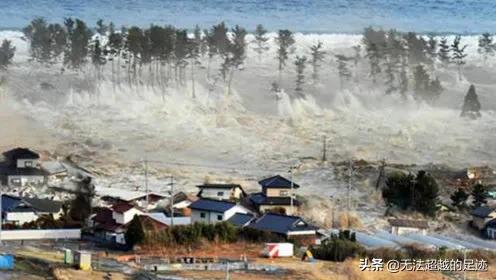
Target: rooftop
x: 219, y: 186
x: 212, y: 205
x: 122, y: 207
x: 21, y: 153
x: 422, y: 224
x: 277, y: 182
x: 26, y: 204
x: 281, y: 224
x: 481, y: 212
x: 240, y: 219
x: 122, y: 194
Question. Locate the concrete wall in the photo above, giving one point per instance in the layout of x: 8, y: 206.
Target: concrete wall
x: 406, y: 230
x: 216, y: 193
x: 34, y: 234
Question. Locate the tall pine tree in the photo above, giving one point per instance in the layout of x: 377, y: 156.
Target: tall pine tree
x: 471, y: 105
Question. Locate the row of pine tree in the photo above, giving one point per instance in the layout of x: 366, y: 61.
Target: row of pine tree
x: 164, y: 56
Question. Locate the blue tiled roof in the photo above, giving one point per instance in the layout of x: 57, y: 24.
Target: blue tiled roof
x: 23, y: 204
x: 212, y: 205
x: 282, y: 224
x: 277, y: 182
x: 240, y: 219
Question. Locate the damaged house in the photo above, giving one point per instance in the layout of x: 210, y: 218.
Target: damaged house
x: 21, y: 167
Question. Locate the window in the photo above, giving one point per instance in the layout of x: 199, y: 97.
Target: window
x: 219, y: 217
x: 284, y: 193
x: 16, y: 181
x: 202, y: 215
x: 220, y: 193
x: 28, y: 163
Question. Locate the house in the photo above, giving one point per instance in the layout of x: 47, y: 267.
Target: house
x: 21, y: 167
x: 241, y: 219
x: 481, y: 216
x: 113, y: 196
x: 277, y: 195
x: 404, y: 226
x: 212, y: 211
x: 110, y: 224
x: 291, y: 227
x: 20, y: 210
x: 233, y: 192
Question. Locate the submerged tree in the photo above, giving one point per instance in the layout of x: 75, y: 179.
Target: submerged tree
x: 375, y: 43
x: 284, y: 41
x: 419, y: 193
x: 300, y: 63
x: 79, y: 37
x: 261, y: 41
x: 425, y: 88
x: 458, y: 54
x: 471, y: 105
x: 7, y: 52
x: 486, y: 45
x: 459, y: 198
x: 444, y: 51
x: 317, y: 54
x: 343, y: 69
x: 479, y: 195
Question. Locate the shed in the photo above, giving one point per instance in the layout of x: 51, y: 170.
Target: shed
x: 403, y: 226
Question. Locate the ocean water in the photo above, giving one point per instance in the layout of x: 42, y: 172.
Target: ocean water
x: 319, y: 16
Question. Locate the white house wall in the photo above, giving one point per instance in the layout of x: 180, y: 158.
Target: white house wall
x: 20, y: 217
x: 214, y: 193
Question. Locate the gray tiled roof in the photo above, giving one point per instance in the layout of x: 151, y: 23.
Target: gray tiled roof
x: 281, y: 224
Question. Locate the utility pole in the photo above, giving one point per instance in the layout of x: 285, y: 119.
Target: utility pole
x: 348, y: 191
x: 292, y: 185
x: 172, y: 199
x: 146, y: 183
x: 324, y: 150
x: 1, y: 213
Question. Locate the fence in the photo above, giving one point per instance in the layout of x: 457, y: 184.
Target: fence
x: 34, y: 234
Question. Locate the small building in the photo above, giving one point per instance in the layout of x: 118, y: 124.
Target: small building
x: 291, y: 227
x: 21, y: 167
x: 232, y: 192
x: 481, y: 216
x: 20, y: 210
x: 405, y: 226
x: 110, y: 224
x: 211, y: 211
x: 82, y: 259
x: 278, y: 194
